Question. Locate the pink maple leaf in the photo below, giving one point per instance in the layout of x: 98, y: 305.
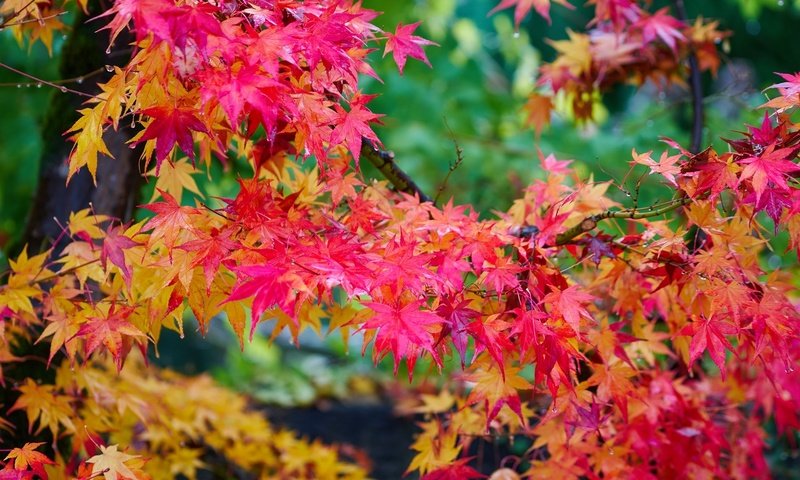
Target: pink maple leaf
x: 403, y: 44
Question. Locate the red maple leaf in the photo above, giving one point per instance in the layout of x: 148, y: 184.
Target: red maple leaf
x: 403, y: 44
x: 211, y: 249
x: 270, y: 284
x: 403, y: 329
x: 352, y: 126
x: 662, y: 25
x: 522, y: 7
x: 170, y: 219
x: 456, y: 470
x: 113, y: 245
x: 771, y: 166
x: 458, y: 317
x: 112, y: 330
x: 710, y: 334
x: 569, y: 304
x: 171, y: 125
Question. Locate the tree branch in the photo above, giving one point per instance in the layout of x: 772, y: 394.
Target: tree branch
x: 590, y: 222
x: 695, y: 86
x: 383, y: 160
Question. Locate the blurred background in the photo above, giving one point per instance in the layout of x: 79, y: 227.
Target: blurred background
x: 471, y: 99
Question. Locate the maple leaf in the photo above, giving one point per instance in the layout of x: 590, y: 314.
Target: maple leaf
x: 174, y: 178
x: 403, y: 44
x: 771, y: 166
x: 437, y: 447
x: 569, y: 304
x: 599, y: 246
x: 497, y: 389
x: 88, y: 140
x: 522, y: 7
x: 42, y: 403
x: 791, y: 86
x: 111, y: 330
x: 168, y: 126
x: 352, y: 126
x: 111, y: 464
x: 27, y: 457
x: 270, y: 285
x: 489, y: 336
x: 458, y: 317
x: 211, y: 249
x: 170, y: 221
x: 403, y: 329
x: 666, y: 165
x: 710, y: 334
x: 457, y: 470
x: 716, y: 174
x: 538, y: 109
x: 114, y: 243
x: 664, y: 26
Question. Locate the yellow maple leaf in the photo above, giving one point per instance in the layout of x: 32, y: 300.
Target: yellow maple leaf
x: 88, y: 140
x: 174, y: 178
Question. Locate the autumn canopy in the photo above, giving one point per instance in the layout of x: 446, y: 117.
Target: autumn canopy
x: 624, y: 340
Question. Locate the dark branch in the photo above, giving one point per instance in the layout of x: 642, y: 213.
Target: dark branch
x: 695, y: 86
x: 383, y: 160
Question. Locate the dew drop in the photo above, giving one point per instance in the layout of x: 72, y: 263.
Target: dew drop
x: 63, y: 89
x: 109, y: 68
x: 19, y: 85
x: 789, y: 369
x: 133, y: 123
x: 39, y: 85
x: 516, y: 34
x: 181, y: 335
x: 79, y: 80
x: 611, y: 451
x: 108, y: 50
x: 780, y: 3
x: 554, y: 410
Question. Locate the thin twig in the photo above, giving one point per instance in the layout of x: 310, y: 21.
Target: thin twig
x: 80, y: 79
x: 31, y: 20
x: 45, y: 82
x: 695, y: 86
x: 453, y: 166
x: 16, y: 14
x: 384, y: 161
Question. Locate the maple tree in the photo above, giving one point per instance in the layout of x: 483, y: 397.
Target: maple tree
x: 580, y: 324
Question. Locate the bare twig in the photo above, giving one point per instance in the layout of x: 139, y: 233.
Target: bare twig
x: 45, y: 82
x: 453, y: 166
x: 32, y: 20
x: 384, y: 161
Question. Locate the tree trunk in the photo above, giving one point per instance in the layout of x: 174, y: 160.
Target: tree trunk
x: 118, y: 179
